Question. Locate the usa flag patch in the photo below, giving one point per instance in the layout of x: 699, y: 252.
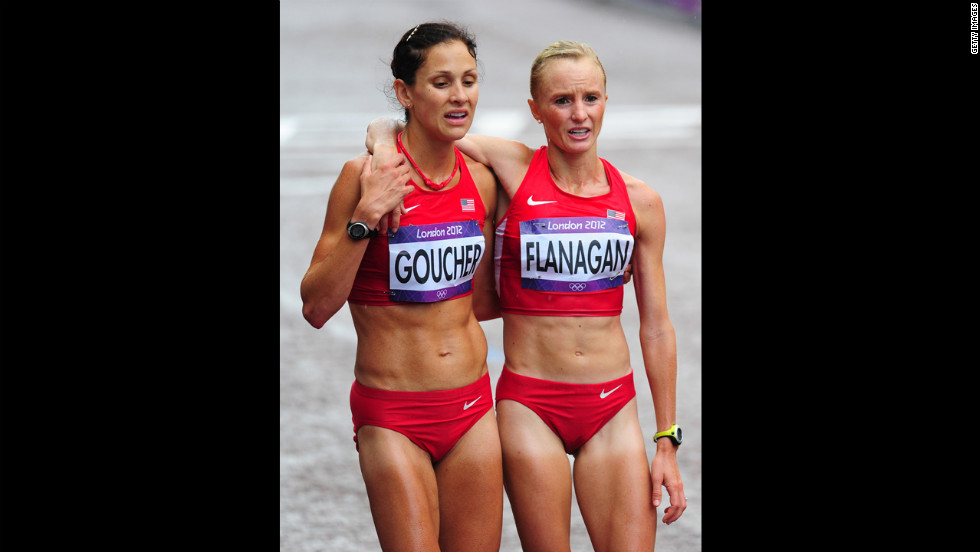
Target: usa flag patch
x: 619, y: 215
x: 467, y: 205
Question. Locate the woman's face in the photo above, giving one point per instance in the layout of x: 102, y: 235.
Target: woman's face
x: 445, y: 92
x: 570, y: 101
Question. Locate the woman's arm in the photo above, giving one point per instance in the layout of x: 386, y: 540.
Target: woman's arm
x: 657, y: 339
x: 486, y: 304
x: 359, y: 195
x: 508, y: 159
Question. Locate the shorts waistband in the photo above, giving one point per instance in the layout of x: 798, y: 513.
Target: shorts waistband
x: 441, y: 394
x: 565, y: 387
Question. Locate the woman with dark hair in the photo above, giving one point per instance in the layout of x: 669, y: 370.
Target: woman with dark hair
x: 406, y: 246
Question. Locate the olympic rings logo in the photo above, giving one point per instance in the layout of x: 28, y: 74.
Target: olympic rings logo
x: 576, y: 286
x: 441, y: 294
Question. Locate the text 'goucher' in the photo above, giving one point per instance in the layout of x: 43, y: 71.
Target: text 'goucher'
x: 436, y: 263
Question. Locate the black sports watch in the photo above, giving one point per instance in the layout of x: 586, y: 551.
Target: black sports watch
x: 359, y: 231
x: 674, y: 434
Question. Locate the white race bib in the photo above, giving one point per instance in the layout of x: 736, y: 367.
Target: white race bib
x: 433, y: 262
x: 574, y: 254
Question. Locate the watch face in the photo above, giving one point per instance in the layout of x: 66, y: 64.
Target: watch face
x: 679, y: 435
x: 357, y: 231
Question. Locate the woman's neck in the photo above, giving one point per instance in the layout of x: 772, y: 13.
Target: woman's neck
x: 435, y: 158
x: 579, y: 174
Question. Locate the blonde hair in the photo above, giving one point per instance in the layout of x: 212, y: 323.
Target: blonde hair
x: 563, y: 49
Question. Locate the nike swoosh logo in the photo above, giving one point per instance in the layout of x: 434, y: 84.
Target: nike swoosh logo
x: 530, y: 201
x: 467, y: 405
x: 407, y: 209
x: 603, y: 394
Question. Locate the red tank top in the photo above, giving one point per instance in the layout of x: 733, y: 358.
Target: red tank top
x: 434, y: 253
x: 558, y: 254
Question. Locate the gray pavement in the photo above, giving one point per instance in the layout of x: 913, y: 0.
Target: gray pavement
x: 333, y: 70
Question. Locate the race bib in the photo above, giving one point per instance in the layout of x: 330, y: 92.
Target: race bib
x: 574, y: 254
x: 433, y: 262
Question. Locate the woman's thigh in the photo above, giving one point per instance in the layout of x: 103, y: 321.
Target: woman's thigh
x: 401, y: 488
x: 614, y: 487
x: 537, y: 477
x: 470, y: 480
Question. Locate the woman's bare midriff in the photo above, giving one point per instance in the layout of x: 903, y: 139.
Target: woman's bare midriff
x: 571, y: 349
x: 419, y: 346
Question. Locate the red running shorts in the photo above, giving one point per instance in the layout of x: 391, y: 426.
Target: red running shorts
x: 433, y: 420
x: 573, y: 411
